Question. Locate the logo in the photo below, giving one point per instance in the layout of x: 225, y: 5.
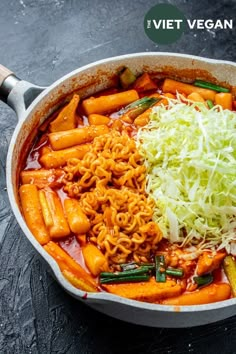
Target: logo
x: 165, y: 24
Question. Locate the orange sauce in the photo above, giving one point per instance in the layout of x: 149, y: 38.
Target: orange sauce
x: 72, y: 247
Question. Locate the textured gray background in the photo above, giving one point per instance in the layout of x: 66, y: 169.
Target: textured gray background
x: 41, y: 41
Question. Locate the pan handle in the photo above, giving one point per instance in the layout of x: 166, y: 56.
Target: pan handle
x: 17, y: 93
x: 4, y: 73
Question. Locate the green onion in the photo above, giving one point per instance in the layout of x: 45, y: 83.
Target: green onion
x: 130, y: 279
x: 142, y: 101
x: 135, y: 265
x: 229, y: 265
x: 126, y: 77
x: 203, y: 280
x: 210, y: 103
x: 129, y: 266
x: 175, y: 272
x: 137, y: 271
x: 210, y: 86
x: 160, y: 269
x: 151, y: 266
x: 138, y: 107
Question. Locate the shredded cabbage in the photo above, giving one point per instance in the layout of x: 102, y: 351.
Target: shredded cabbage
x: 190, y: 156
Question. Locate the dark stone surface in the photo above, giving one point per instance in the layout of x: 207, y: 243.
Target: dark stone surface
x: 41, y: 41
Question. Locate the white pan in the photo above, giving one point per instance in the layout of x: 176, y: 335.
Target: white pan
x: 33, y: 104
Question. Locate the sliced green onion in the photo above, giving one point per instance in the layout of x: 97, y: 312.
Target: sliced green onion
x: 210, y: 104
x: 126, y: 77
x: 210, y: 86
x: 175, y: 272
x: 129, y: 266
x: 151, y: 266
x: 135, y: 265
x: 229, y: 265
x: 140, y: 102
x: 160, y: 269
x: 137, y: 107
x: 130, y: 279
x: 203, y: 280
x: 137, y: 271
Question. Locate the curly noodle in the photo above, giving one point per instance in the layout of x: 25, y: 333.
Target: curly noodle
x: 110, y: 184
